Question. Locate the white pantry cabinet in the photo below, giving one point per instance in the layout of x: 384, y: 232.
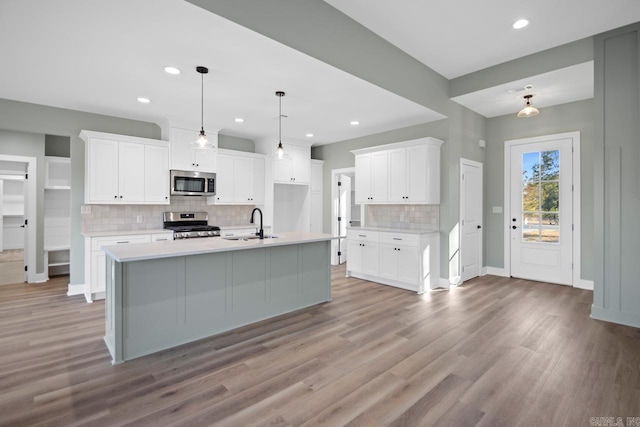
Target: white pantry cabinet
x: 402, y: 173
x: 407, y: 259
x: 316, y: 196
x: 240, y: 179
x: 95, y: 273
x: 122, y: 169
x: 296, y: 170
x: 190, y: 159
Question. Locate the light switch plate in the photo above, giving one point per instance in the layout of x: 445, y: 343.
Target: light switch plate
x: 497, y: 209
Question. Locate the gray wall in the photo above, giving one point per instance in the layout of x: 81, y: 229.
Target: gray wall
x: 229, y: 142
x: 43, y: 120
x: 575, y: 116
x: 57, y: 146
x: 617, y: 177
x: 30, y: 145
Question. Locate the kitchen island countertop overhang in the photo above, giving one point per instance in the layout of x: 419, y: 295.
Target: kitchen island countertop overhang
x: 165, y: 294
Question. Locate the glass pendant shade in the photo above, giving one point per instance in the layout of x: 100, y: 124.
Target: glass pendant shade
x: 528, y: 110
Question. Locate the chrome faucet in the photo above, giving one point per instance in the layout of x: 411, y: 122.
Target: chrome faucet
x: 261, y: 232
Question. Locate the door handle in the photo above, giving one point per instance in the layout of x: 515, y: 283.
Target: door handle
x: 514, y: 227
x: 479, y: 227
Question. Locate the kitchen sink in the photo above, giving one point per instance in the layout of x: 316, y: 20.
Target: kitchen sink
x: 247, y: 238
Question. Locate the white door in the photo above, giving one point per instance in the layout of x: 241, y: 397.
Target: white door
x: 224, y: 179
x: 156, y: 171
x: 541, y: 211
x: 103, y: 170
x: 470, y: 218
x: 242, y: 179
x: 398, y: 175
x: 130, y: 172
x: 1, y: 220
x: 363, y: 181
x: 344, y: 215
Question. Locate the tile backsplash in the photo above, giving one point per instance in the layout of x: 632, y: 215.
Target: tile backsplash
x: 124, y: 217
x: 417, y: 217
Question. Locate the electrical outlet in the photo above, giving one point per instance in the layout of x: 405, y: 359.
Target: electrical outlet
x: 85, y: 210
x: 138, y: 218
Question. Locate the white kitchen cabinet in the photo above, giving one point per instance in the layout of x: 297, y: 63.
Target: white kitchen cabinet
x: 405, y: 259
x: 183, y: 157
x: 95, y: 260
x: 297, y: 169
x: 372, y: 178
x: 240, y: 179
x: 411, y: 175
x: 156, y: 174
x: 121, y: 169
x: 316, y: 196
x: 363, y: 252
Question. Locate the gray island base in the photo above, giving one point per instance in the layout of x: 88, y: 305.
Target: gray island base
x: 161, y: 295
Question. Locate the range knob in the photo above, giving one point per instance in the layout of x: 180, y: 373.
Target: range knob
x: 202, y: 234
x: 210, y: 233
x: 185, y: 235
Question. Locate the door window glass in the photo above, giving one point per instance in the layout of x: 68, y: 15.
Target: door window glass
x: 541, y: 197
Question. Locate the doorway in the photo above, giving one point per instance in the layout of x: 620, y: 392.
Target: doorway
x: 471, y: 208
x: 542, y: 199
x: 344, y: 211
x: 17, y: 212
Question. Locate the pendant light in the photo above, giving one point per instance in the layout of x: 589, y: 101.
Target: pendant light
x: 202, y: 142
x: 280, y: 154
x: 528, y: 110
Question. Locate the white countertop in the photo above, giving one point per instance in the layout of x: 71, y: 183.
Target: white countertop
x: 125, y: 232
x: 174, y: 248
x: 394, y: 230
x: 241, y: 227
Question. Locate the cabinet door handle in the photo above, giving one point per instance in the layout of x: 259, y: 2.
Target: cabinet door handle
x: 121, y: 197
x: 115, y: 197
x: 166, y: 197
x: 124, y: 241
x: 362, y: 235
x: 397, y: 238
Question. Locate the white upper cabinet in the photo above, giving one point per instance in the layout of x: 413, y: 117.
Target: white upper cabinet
x: 402, y: 173
x: 185, y: 158
x: 294, y: 171
x: 123, y: 169
x: 372, y: 178
x: 240, y: 179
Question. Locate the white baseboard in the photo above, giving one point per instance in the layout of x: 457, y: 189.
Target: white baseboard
x: 40, y: 278
x: 455, y: 281
x: 444, y: 283
x: 495, y: 271
x: 584, y: 284
x: 75, y: 289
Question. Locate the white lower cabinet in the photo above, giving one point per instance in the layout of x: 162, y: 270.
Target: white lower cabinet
x: 235, y: 232
x: 407, y: 260
x: 95, y: 273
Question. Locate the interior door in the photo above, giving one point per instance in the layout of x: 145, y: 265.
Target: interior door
x: 471, y: 219
x: 344, y: 215
x: 541, y: 211
x: 1, y: 220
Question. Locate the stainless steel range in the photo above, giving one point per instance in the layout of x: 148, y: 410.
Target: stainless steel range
x: 189, y: 225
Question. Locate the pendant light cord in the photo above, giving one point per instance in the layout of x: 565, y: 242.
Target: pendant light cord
x: 280, y: 121
x: 201, y: 101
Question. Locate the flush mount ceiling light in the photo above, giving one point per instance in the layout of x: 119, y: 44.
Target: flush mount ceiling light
x: 239, y: 120
x: 144, y: 100
x: 528, y: 110
x: 520, y: 24
x: 202, y: 142
x: 354, y: 123
x: 172, y: 70
x: 280, y: 154
x: 309, y: 135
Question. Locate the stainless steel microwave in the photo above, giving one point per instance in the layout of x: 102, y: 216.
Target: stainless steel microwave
x: 192, y: 183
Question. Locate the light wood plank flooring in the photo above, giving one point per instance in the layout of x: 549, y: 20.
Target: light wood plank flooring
x: 11, y: 266
x: 495, y: 352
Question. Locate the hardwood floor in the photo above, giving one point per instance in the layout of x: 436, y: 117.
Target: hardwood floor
x: 494, y: 352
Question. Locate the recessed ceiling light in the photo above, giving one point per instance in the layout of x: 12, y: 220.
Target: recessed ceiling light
x: 354, y: 123
x: 144, y: 100
x: 520, y: 23
x: 528, y: 87
x: 239, y: 120
x: 309, y: 135
x: 172, y: 70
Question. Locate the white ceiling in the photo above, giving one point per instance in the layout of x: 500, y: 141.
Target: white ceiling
x: 553, y: 88
x: 458, y: 37
x: 99, y: 56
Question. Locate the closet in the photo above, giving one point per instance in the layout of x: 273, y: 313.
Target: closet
x: 57, y: 214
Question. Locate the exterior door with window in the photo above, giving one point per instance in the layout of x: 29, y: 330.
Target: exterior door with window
x: 541, y: 211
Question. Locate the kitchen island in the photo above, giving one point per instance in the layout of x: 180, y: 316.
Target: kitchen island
x: 160, y: 295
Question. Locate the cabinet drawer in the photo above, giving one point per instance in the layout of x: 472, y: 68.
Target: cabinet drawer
x: 161, y: 237
x: 363, y: 235
x: 400, y: 239
x: 99, y: 242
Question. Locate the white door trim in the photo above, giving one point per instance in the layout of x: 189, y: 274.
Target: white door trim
x: 335, y: 173
x: 479, y: 165
x: 30, y: 214
x: 575, y: 136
